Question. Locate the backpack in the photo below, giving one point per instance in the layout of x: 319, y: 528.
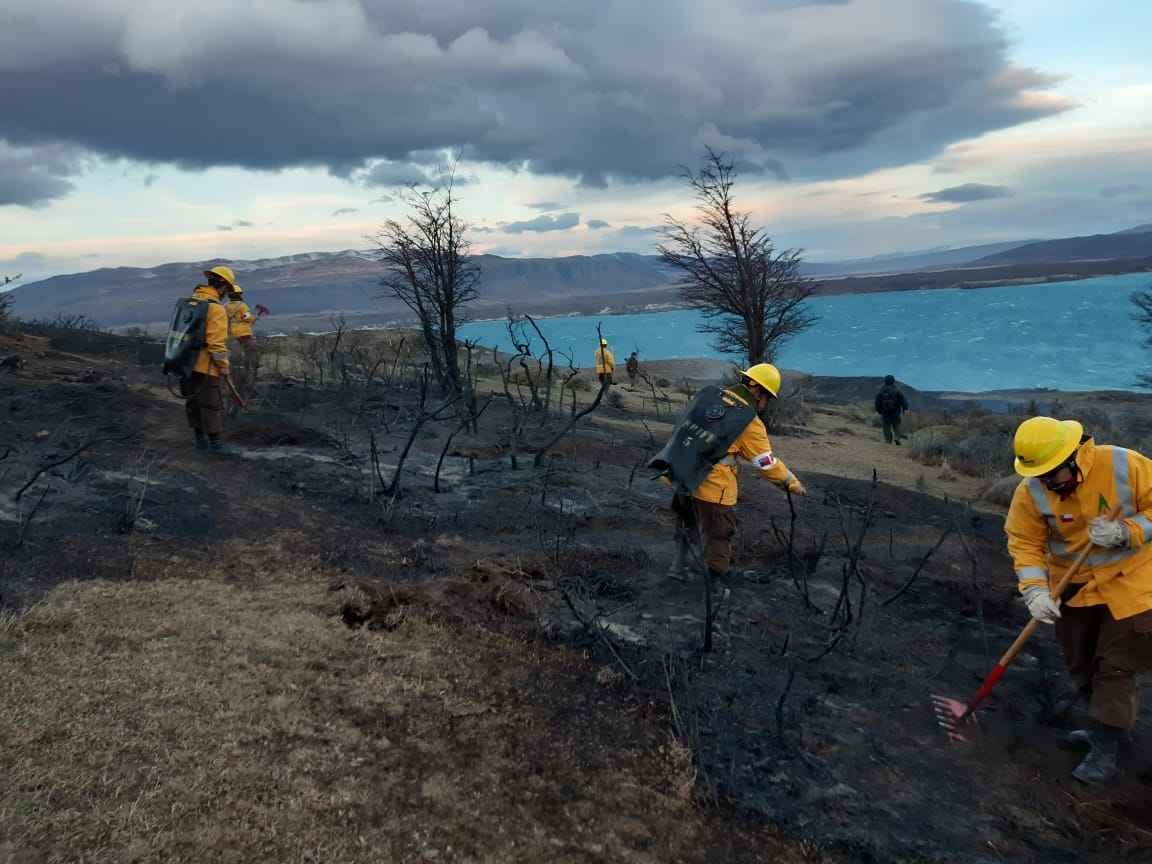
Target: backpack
x: 186, y: 336
x: 888, y: 401
x: 701, y: 438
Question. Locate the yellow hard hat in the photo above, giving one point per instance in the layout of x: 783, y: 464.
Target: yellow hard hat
x: 766, y: 375
x: 236, y: 289
x: 1043, y: 444
x: 224, y: 273
x: 604, y: 343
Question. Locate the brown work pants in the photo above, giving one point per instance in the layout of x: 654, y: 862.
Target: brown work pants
x: 1104, y: 656
x: 707, y: 525
x: 203, y: 402
x: 605, y: 378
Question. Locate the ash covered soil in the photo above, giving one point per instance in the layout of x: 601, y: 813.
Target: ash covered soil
x: 569, y: 681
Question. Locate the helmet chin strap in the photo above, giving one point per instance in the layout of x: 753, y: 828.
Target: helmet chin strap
x: 1068, y: 487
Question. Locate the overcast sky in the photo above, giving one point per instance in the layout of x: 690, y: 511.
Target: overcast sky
x: 134, y: 132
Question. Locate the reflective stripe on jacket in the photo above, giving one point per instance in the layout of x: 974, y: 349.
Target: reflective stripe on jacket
x: 213, y: 357
x: 239, y: 319
x: 721, y: 486
x: 1045, y: 534
x: 605, y: 362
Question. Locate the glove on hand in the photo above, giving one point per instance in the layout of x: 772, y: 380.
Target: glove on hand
x: 1103, y: 531
x: 1040, y: 605
x: 797, y: 488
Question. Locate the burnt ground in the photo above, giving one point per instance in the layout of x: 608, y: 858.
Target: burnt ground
x: 815, y: 719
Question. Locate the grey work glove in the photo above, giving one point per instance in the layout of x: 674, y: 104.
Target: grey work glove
x: 1040, y: 604
x: 1106, y: 532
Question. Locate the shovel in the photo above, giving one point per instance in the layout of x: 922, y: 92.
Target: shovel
x: 952, y: 714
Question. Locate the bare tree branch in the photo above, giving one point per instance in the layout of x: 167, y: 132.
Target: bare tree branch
x: 428, y: 268
x: 753, y: 297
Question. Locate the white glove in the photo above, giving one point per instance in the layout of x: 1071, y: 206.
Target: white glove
x: 1103, y: 531
x: 797, y: 488
x: 1040, y: 604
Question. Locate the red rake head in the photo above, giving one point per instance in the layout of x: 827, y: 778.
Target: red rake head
x: 954, y: 716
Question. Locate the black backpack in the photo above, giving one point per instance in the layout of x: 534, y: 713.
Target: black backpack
x: 186, y: 336
x: 888, y: 401
x: 701, y: 438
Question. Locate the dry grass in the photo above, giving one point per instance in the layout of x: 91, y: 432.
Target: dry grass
x: 201, y: 721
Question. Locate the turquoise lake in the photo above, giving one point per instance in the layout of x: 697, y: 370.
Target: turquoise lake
x: 1066, y: 335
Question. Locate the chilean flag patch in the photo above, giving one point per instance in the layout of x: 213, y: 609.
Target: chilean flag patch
x: 765, y: 460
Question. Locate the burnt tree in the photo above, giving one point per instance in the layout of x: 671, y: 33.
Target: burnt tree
x: 428, y: 268
x: 1142, y: 314
x: 752, y: 295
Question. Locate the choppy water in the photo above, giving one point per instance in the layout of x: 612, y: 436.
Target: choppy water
x: 1064, y: 335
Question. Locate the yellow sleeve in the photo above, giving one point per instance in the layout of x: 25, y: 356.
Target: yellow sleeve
x: 609, y: 360
x: 753, y: 445
x: 216, y: 337
x: 1140, y: 481
x: 1027, y: 534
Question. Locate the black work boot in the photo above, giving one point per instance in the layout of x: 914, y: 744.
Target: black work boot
x: 218, y: 448
x: 201, y: 440
x: 1102, y: 764
x: 679, y: 570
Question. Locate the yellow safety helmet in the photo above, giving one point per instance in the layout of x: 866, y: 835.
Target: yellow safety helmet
x: 236, y: 289
x: 1043, y: 444
x: 224, y: 273
x: 603, y: 343
x: 766, y: 375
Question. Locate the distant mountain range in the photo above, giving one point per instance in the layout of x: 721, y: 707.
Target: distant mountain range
x: 308, y: 290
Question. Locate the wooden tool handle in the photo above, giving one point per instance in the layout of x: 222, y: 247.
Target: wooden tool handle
x: 1057, y: 593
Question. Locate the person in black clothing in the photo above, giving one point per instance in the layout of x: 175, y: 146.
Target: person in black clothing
x: 891, y: 405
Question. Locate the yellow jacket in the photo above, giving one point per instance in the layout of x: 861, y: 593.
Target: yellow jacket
x: 213, y: 359
x: 239, y: 319
x: 1046, y: 534
x: 605, y: 362
x: 720, y: 486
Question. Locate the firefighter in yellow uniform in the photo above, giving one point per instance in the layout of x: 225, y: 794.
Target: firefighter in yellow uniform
x: 203, y: 391
x: 711, y: 508
x: 240, y: 320
x: 605, y: 364
x: 1104, y: 620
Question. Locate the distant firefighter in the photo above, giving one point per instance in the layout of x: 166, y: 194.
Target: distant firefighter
x: 605, y: 364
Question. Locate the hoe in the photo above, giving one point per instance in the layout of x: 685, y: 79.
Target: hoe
x: 952, y: 714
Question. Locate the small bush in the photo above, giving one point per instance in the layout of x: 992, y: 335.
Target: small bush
x: 979, y: 445
x: 615, y: 399
x: 789, y: 410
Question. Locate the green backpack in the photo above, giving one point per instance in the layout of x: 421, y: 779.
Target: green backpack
x: 701, y: 439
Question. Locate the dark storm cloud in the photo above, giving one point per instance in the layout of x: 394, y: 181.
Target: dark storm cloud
x: 547, y: 222
x: 597, y: 224
x: 541, y: 85
x: 33, y: 176
x: 965, y: 193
